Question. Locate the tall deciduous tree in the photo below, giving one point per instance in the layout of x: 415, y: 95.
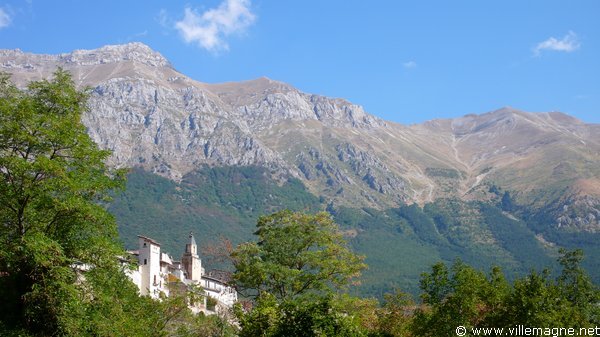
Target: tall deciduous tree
x: 459, y: 296
x: 577, y: 287
x: 463, y: 296
x: 296, y: 254
x: 294, y: 271
x: 52, y: 223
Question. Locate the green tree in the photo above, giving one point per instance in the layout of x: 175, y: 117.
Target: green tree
x: 536, y: 301
x: 464, y: 296
x: 506, y: 203
x: 59, y: 273
x: 576, y: 286
x: 305, y: 316
x: 496, y: 295
x: 394, y: 317
x: 570, y: 300
x: 294, y: 271
x: 459, y: 296
x: 296, y: 254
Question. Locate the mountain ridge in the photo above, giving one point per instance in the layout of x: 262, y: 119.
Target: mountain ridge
x: 506, y: 187
x: 154, y: 117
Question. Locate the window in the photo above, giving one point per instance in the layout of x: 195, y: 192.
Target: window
x: 145, y: 261
x: 154, y: 279
x: 144, y: 244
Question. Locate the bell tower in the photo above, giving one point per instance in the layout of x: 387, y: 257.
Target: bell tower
x: 191, y: 261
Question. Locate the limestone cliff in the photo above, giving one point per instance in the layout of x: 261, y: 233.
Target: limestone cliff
x: 152, y: 116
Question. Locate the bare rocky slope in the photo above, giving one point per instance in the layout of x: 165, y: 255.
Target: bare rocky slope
x: 152, y: 116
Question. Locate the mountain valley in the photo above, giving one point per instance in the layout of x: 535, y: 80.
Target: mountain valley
x: 506, y: 187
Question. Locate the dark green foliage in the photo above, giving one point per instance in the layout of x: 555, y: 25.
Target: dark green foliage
x: 116, y: 309
x: 577, y: 287
x: 515, y: 237
x: 453, y: 296
x: 494, y: 189
x: 463, y: 296
x: 248, y: 189
x: 445, y: 226
x: 448, y: 225
x: 60, y: 273
x: 211, y: 202
x: 398, y: 244
x: 395, y: 256
x: 171, y: 317
x: 320, y: 316
x: 297, y: 254
x: 536, y: 302
x: 506, y: 203
x: 53, y: 178
x: 293, y: 272
x: 543, y: 222
x: 422, y: 224
x: 394, y: 317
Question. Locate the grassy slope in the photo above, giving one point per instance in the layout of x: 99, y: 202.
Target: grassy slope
x: 399, y: 244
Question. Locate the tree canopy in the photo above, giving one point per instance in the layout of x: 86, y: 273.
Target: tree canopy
x: 294, y: 271
x: 59, y: 269
x: 60, y: 273
x: 296, y: 254
x: 463, y: 296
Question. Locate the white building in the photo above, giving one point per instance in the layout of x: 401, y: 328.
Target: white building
x: 156, y: 270
x: 218, y: 289
x: 151, y: 279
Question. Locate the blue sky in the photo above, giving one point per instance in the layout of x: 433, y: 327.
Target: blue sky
x: 405, y: 61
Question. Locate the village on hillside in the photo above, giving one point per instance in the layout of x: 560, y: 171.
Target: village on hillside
x: 158, y: 274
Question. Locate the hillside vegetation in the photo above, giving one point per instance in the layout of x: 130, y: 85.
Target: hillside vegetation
x: 399, y: 243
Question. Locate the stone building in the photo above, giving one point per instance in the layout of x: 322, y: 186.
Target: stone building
x: 158, y: 273
x: 191, y: 261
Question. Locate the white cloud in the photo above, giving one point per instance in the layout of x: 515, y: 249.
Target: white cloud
x: 409, y: 64
x: 5, y: 19
x: 568, y: 43
x: 163, y: 18
x: 210, y: 28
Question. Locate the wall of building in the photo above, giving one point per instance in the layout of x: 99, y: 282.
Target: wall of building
x: 149, y: 262
x: 154, y: 269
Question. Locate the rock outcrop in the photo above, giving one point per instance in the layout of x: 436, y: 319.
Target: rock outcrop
x: 152, y: 116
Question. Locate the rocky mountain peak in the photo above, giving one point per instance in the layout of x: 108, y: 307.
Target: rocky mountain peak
x: 505, y: 118
x: 13, y: 60
x: 264, y: 101
x: 150, y: 115
x: 247, y: 91
x: 135, y: 51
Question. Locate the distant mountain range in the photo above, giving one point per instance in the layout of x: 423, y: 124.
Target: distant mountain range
x: 539, y: 169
